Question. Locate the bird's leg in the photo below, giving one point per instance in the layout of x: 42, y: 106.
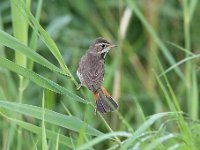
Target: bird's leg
x: 96, y: 87
x: 95, y: 111
x: 79, y: 86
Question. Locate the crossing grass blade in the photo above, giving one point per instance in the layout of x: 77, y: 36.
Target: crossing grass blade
x: 181, y: 48
x: 145, y: 126
x: 13, y: 43
x: 101, y: 138
x: 46, y: 39
x: 38, y: 79
x: 163, y: 48
x: 70, y: 122
x: 160, y: 140
x: 34, y: 38
x: 20, y: 31
x: 189, y: 58
x: 38, y: 130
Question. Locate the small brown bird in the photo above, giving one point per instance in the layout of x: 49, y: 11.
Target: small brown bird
x: 91, y: 74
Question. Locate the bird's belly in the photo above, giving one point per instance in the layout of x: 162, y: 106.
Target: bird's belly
x: 80, y: 76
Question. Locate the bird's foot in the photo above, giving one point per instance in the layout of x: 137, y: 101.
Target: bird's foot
x: 95, y: 111
x: 79, y: 86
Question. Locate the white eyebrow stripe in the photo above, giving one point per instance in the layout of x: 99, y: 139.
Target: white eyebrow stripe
x: 101, y: 44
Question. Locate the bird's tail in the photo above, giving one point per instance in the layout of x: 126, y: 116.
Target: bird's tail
x: 104, y: 101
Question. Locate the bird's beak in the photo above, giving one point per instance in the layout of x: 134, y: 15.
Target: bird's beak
x: 112, y: 46
x: 108, y: 48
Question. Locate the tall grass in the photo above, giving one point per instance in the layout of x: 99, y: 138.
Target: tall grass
x: 153, y: 74
x: 19, y: 22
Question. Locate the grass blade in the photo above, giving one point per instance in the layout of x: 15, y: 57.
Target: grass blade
x: 101, y: 138
x: 44, y: 141
x: 20, y: 29
x: 38, y: 79
x: 47, y: 40
x: 34, y: 39
x: 179, y: 63
x: 160, y: 140
x: 194, y: 97
x: 11, y: 42
x: 57, y: 141
x: 69, y: 122
x: 181, y: 48
x: 132, y: 5
x: 37, y: 130
x: 146, y: 125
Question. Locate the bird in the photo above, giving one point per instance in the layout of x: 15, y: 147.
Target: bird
x: 91, y: 74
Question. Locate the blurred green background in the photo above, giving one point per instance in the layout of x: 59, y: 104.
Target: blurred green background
x: 153, y: 71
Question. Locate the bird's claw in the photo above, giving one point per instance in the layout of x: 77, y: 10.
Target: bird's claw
x: 79, y: 86
x: 95, y: 111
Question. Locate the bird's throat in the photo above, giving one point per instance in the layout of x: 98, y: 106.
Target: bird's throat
x: 103, y: 55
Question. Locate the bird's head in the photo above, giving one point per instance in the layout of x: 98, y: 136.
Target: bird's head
x: 101, y: 46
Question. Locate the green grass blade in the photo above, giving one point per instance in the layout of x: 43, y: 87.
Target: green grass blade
x: 38, y: 79
x: 34, y: 38
x: 160, y: 140
x: 20, y: 30
x: 163, y: 48
x: 181, y: 48
x: 170, y: 103
x: 50, y: 44
x: 33, y: 22
x: 69, y: 122
x: 192, y: 6
x: 47, y: 40
x: 179, y: 63
x: 145, y: 126
x: 44, y: 141
x: 194, y: 97
x: 184, y: 128
x: 152, y: 120
x: 80, y: 139
x: 2, y: 50
x: 101, y: 138
x: 11, y: 42
x: 37, y: 130
x: 57, y: 141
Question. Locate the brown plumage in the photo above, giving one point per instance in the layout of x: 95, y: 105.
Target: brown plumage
x: 91, y: 73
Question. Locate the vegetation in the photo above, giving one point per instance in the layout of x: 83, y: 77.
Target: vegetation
x: 153, y: 74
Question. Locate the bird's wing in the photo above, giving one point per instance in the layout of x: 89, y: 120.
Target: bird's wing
x: 93, y: 71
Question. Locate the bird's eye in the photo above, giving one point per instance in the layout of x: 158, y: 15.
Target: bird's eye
x: 103, y: 45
